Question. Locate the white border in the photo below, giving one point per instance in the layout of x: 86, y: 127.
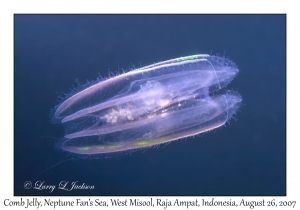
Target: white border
x: 8, y: 8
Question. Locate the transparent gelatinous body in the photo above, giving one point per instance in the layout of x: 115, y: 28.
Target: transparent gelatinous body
x: 155, y: 104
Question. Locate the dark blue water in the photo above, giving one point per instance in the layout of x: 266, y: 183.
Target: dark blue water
x: 247, y: 157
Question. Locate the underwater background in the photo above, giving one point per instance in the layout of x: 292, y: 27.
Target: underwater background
x: 53, y: 54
